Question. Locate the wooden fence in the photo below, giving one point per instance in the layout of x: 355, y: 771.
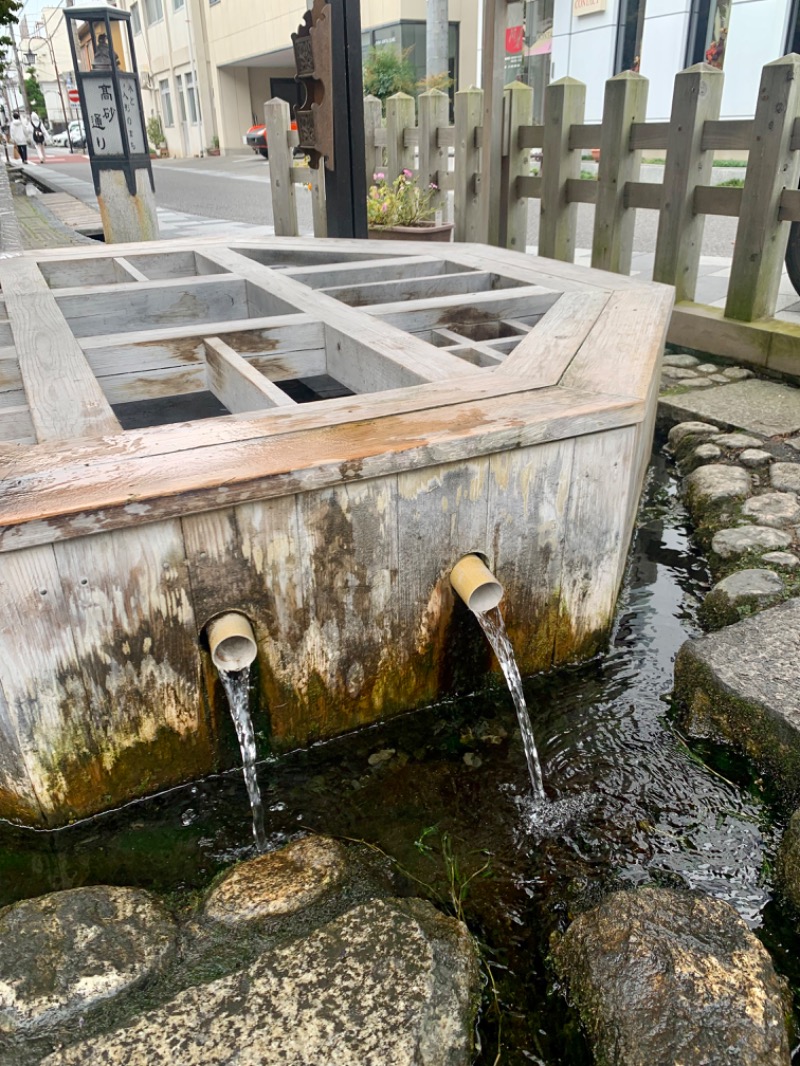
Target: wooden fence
x: 746, y: 328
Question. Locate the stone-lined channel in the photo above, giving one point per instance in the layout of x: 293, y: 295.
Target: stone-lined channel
x: 448, y: 788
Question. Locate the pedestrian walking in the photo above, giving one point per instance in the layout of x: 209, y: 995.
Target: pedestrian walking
x: 20, y: 132
x: 39, y: 137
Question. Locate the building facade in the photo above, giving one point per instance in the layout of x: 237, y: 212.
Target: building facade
x: 594, y: 39
x: 208, y: 66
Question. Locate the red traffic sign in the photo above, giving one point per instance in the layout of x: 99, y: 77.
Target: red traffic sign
x: 74, y: 96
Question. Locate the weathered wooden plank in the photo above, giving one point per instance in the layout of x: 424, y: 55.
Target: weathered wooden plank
x: 127, y: 271
x: 543, y: 355
x: 625, y: 103
x: 581, y: 191
x: 434, y: 108
x: 493, y: 53
x: 380, y: 292
x: 564, y: 104
x: 644, y: 194
x: 142, y: 721
x: 518, y: 111
x: 696, y: 100
x: 400, y: 116
x: 533, y: 136
x: 257, y: 547
x: 373, y: 152
x: 159, y: 303
x: 529, y: 186
x: 348, y: 544
x: 584, y: 135
x: 441, y: 515
x: 528, y: 494
x: 727, y: 135
x: 317, y: 277
x: 772, y: 166
x: 412, y: 315
x: 446, y: 136
x: 789, y: 210
x: 649, y: 136
x: 466, y: 176
x: 284, y: 203
x: 65, y: 399
x: 16, y: 793
x: 284, y: 336
x: 38, y: 652
x: 78, y: 496
x: 594, y: 521
x: 237, y: 385
x: 626, y: 344
x: 413, y: 358
x: 718, y: 201
x: 16, y: 422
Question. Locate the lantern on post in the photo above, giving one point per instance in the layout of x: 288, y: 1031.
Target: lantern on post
x: 101, y: 43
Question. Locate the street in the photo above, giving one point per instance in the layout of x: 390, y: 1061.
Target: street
x: 236, y: 188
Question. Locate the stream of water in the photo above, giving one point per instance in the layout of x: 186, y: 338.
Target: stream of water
x: 492, y: 624
x: 237, y: 689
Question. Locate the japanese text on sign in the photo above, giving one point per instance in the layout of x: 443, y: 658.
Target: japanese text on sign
x: 107, y: 115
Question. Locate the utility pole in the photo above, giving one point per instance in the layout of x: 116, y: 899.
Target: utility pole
x: 437, y: 34
x: 20, y: 74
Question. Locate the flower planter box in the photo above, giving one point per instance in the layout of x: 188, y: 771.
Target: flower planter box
x: 424, y: 231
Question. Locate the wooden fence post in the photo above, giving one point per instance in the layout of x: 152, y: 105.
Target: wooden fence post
x: 434, y: 108
x: 284, y: 204
x: 625, y: 103
x: 467, y: 184
x: 564, y: 105
x: 400, y: 116
x: 771, y: 167
x: 517, y: 111
x: 319, y: 212
x: 696, y: 98
x: 373, y: 120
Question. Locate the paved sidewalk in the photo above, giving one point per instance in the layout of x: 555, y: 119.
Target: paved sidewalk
x: 170, y: 223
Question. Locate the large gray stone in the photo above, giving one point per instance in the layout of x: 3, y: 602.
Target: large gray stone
x: 755, y: 457
x: 735, y: 441
x: 62, y: 953
x: 680, y: 359
x: 389, y: 982
x: 763, y: 407
x: 690, y: 431
x: 729, y: 543
x: 746, y: 590
x: 279, y: 883
x: 742, y: 686
x: 785, y: 477
x: 717, y: 483
x: 662, y: 978
x: 774, y: 508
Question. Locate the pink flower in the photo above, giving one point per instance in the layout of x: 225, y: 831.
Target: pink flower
x: 384, y: 208
x: 406, y: 173
x: 379, y: 176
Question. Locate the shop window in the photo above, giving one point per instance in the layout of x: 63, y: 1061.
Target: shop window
x: 154, y: 11
x: 793, y: 36
x: 708, y: 32
x: 136, y: 19
x: 629, y: 35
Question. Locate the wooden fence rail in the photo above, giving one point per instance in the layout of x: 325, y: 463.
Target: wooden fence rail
x: 451, y: 156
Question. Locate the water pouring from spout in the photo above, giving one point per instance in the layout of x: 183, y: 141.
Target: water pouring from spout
x: 481, y: 592
x: 232, y: 644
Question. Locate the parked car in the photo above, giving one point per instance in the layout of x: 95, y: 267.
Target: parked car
x: 256, y: 138
x: 76, y: 135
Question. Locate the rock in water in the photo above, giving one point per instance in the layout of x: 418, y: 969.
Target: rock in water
x: 662, y: 977
x: 279, y: 883
x: 62, y: 953
x: 389, y: 983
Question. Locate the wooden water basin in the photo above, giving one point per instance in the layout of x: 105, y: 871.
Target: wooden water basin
x: 457, y: 398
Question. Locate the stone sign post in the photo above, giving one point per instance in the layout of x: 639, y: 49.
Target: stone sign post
x: 101, y: 41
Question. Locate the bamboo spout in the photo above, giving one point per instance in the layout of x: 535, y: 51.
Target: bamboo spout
x: 474, y: 582
x: 231, y: 641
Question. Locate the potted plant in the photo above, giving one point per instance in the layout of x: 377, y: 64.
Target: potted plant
x: 401, y: 211
x: 214, y: 149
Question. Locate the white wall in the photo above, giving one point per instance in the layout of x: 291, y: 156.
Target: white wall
x: 583, y: 48
x: 756, y: 36
x: 666, y: 30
